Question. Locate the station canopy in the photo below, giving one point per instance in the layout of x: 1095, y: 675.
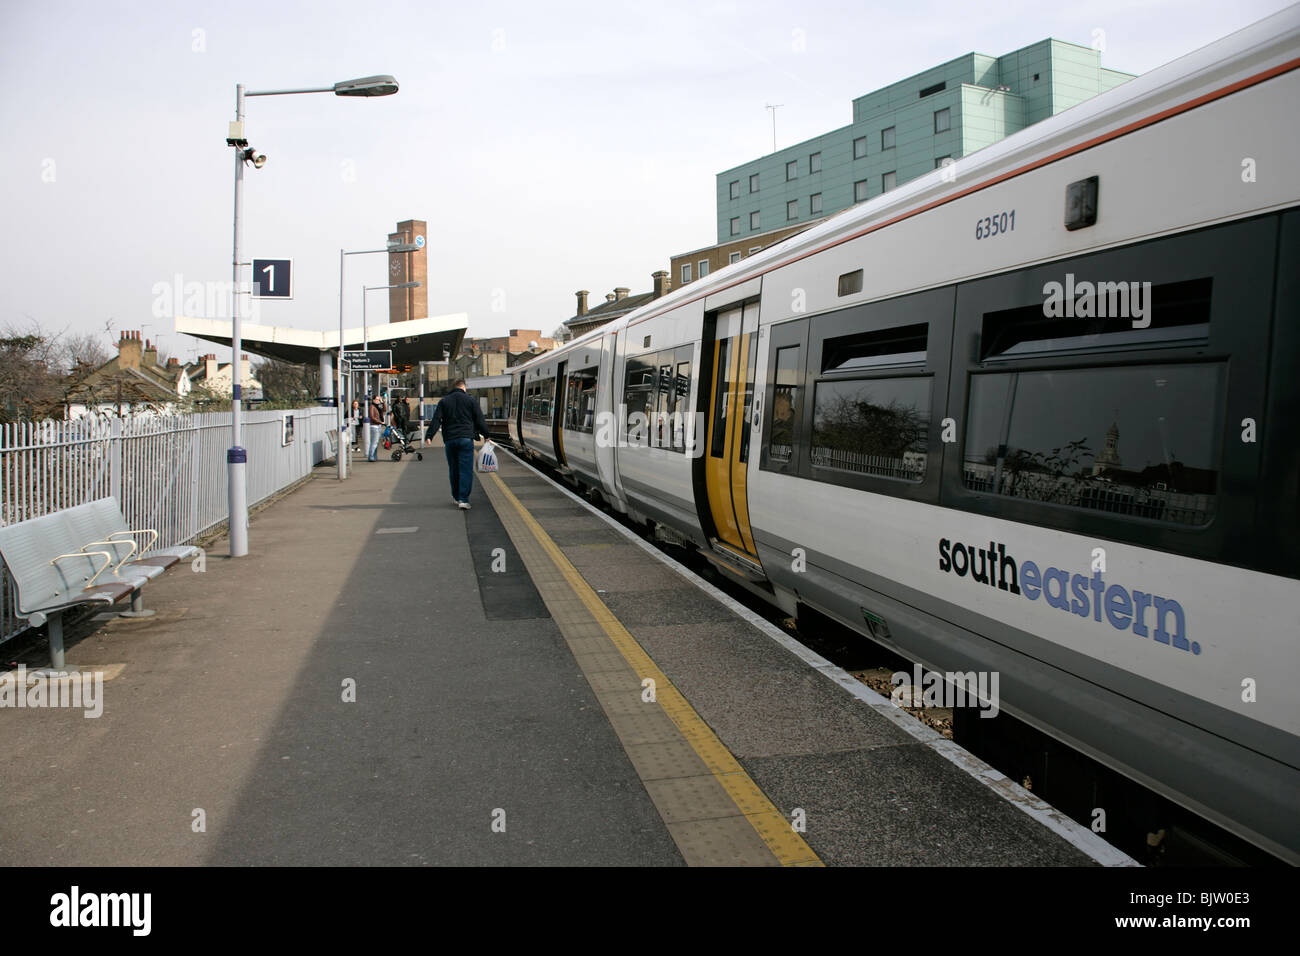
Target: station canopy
x: 411, y: 342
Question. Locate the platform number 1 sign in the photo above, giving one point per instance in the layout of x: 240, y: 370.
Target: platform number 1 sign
x: 273, y: 278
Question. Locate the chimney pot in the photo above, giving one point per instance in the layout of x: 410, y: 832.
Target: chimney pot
x: 621, y: 292
x: 609, y: 297
x: 582, y: 301
x: 661, y: 283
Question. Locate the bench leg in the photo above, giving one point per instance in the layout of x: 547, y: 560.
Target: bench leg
x: 137, y: 606
x: 55, y: 621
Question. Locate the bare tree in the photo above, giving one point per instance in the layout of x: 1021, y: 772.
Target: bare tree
x: 84, y: 351
x: 30, y: 373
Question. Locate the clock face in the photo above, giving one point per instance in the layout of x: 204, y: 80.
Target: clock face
x: 395, y: 267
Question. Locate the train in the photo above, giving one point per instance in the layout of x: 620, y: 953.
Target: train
x: 1035, y: 413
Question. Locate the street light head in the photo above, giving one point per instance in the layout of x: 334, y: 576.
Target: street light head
x: 383, y: 85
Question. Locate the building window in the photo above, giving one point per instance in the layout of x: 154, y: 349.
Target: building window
x: 734, y: 257
x: 791, y: 170
x: 753, y: 220
x: 860, y: 190
x: 753, y: 182
x: 936, y: 88
x: 939, y: 163
x: 815, y: 163
x: 887, y: 138
x: 942, y: 120
x: 888, y: 181
x: 792, y: 209
x: 702, y: 268
x: 686, y: 272
x: 860, y: 147
x: 735, y: 225
x: 815, y: 204
x: 754, y: 249
x: 735, y: 189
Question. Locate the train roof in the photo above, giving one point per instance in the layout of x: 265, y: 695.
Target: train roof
x: 1270, y: 46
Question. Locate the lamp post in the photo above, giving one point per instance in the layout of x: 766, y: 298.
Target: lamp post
x: 392, y: 247
x: 365, y: 345
x: 237, y: 455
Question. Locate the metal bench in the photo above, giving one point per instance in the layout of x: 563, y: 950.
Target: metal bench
x: 82, y: 555
x: 332, y: 436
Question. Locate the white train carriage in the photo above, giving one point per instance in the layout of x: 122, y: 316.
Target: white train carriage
x: 1035, y: 413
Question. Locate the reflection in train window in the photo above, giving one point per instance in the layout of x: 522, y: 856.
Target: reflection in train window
x: 721, y: 394
x: 785, y: 404
x: 638, y: 393
x: 1136, y: 441
x: 580, y: 401
x: 873, y: 426
x: 683, y: 424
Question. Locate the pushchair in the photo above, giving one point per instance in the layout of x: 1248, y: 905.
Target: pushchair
x: 401, y: 442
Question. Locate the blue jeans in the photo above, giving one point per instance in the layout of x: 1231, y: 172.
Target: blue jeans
x: 460, y: 466
x: 372, y: 448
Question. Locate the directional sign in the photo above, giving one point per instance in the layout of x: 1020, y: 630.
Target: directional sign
x: 273, y: 278
x: 372, y: 361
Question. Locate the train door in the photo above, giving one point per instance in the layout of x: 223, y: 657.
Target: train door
x: 557, y: 416
x: 517, y: 397
x: 729, y: 408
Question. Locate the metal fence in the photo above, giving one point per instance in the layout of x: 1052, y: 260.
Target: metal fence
x: 167, y: 473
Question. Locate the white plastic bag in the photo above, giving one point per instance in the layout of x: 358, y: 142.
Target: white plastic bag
x: 485, y: 459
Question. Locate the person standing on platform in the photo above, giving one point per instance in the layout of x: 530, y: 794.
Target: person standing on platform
x: 401, y: 415
x: 461, y: 421
x: 377, y: 415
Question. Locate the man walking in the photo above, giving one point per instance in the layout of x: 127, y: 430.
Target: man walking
x: 461, y: 421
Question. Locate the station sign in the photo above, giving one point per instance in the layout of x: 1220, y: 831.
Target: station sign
x: 273, y: 278
x: 375, y: 360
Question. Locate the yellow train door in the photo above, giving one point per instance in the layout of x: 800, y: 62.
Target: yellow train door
x: 730, y: 408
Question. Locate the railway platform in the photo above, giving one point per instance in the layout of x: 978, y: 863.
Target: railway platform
x: 386, y: 679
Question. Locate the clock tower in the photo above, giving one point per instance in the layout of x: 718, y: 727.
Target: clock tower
x: 407, y: 304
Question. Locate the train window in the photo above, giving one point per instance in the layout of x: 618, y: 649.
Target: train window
x: 639, y: 392
x: 1078, y: 317
x: 872, y: 426
x: 748, y: 398
x: 784, y: 410
x: 661, y: 435
x: 580, y: 401
x: 721, y: 393
x: 1135, y: 441
x: 883, y: 348
x: 683, y: 424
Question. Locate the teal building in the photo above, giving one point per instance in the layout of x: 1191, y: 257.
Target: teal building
x: 907, y: 129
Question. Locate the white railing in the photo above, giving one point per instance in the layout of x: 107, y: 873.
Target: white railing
x: 167, y: 473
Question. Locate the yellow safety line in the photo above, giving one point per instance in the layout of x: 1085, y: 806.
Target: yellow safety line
x: 775, y: 830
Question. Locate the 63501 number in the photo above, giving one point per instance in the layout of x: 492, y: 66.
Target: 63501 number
x: 995, y: 225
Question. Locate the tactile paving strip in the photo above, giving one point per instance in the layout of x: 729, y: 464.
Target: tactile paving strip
x: 714, y: 811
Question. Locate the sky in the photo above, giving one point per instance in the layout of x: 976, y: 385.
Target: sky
x: 551, y: 147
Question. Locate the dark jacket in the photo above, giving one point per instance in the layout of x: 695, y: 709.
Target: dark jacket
x: 459, y: 416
